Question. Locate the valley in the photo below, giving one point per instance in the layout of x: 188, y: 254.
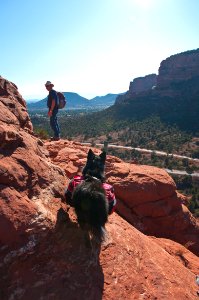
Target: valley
x: 159, y: 113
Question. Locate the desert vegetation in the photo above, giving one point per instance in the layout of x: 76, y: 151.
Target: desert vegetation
x: 150, y: 133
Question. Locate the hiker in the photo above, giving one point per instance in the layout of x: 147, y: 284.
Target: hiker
x: 52, y: 104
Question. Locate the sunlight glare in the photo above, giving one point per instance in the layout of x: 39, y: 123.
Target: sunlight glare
x: 143, y: 3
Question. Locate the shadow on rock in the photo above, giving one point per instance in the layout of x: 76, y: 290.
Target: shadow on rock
x: 82, y: 276
x: 61, y: 266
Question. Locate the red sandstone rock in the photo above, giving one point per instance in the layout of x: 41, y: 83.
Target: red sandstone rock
x: 137, y: 86
x: 174, y: 69
x: 130, y: 265
x: 147, y: 196
x: 42, y: 250
x: 13, y: 107
x: 142, y: 84
x: 178, y: 67
x: 182, y: 254
x: 29, y: 182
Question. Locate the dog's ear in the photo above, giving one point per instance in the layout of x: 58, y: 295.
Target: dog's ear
x: 90, y: 155
x: 103, y: 156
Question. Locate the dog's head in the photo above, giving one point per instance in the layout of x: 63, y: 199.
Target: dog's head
x: 95, y: 165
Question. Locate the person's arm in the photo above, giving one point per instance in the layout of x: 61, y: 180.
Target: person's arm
x: 51, y: 108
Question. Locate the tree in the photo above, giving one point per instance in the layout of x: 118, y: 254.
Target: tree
x: 185, y: 162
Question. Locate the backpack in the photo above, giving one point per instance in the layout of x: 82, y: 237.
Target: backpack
x: 62, y: 100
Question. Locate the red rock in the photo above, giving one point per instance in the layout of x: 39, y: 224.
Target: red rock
x: 42, y: 250
x: 16, y: 211
x: 137, y: 86
x: 28, y: 179
x: 174, y: 69
x: 147, y: 196
x: 12, y: 111
x: 182, y: 254
x: 130, y: 265
x: 178, y: 67
x: 140, y: 184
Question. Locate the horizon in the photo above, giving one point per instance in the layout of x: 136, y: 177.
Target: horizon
x: 35, y: 100
x: 93, y: 48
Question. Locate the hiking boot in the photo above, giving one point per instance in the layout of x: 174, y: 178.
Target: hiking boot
x: 55, y: 138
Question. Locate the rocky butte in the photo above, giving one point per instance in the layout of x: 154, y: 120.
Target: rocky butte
x: 177, y: 68
x: 152, y: 244
x: 137, y: 86
x: 174, y: 70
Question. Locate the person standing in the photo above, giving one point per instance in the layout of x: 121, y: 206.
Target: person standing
x: 52, y: 104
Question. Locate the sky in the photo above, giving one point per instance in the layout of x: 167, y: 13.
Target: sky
x: 91, y: 47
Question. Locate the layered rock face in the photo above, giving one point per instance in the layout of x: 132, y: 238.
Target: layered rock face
x: 137, y: 86
x: 43, y: 254
x: 177, y: 68
x: 28, y: 180
x: 142, y: 84
x: 147, y: 196
x: 173, y: 70
x: 149, y: 201
x: 129, y: 265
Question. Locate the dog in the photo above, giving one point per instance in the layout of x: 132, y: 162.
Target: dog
x: 92, y: 198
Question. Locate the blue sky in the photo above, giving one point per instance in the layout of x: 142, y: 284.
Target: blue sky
x: 91, y: 47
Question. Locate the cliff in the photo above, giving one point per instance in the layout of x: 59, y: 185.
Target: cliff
x: 173, y: 70
x: 175, y: 99
x: 147, y: 196
x: 137, y: 86
x: 42, y: 249
x: 178, y: 68
x: 28, y: 179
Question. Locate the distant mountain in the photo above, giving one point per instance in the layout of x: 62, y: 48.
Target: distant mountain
x: 32, y: 100
x: 40, y: 104
x: 75, y: 101
x: 104, y: 101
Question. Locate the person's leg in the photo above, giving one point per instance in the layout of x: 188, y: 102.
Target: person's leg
x: 54, y: 124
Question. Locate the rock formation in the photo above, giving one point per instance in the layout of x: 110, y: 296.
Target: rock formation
x: 177, y: 68
x: 137, y: 86
x: 173, y: 70
x: 142, y: 84
x: 150, y: 202
x: 29, y: 183
x: 147, y: 196
x: 42, y: 250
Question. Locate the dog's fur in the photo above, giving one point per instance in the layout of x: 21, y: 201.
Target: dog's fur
x: 95, y: 165
x: 90, y: 202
